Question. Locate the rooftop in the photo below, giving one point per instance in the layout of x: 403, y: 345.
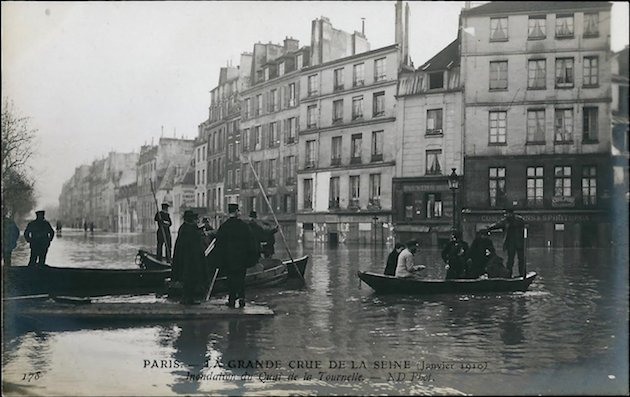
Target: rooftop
x: 445, y: 59
x: 512, y: 7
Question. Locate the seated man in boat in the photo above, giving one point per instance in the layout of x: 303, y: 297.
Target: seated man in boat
x: 479, y: 253
x: 406, y: 266
x: 454, y: 254
x: 392, y: 259
x: 495, y: 267
x: 264, y: 233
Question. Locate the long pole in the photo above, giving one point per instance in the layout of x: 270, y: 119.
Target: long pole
x: 525, y: 252
x: 284, y: 240
x: 168, y: 246
x: 454, y: 210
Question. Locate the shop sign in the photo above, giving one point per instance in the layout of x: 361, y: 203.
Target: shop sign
x: 563, y: 201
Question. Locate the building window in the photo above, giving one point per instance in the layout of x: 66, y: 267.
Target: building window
x: 496, y: 186
x: 338, y: 111
x: 274, y: 103
x: 591, y: 71
x: 237, y: 150
x: 564, y: 25
x: 333, y: 195
x: 436, y: 80
x: 203, y: 177
x: 338, y: 79
x: 564, y: 125
x: 246, y: 108
x: 433, y: 162
x: 229, y: 153
x: 591, y: 24
x: 280, y: 68
x: 289, y: 170
x: 311, y: 116
x: 589, y: 125
x: 375, y: 190
x: 499, y: 29
x: 498, y: 75
x: 258, y: 109
x: 357, y: 75
x: 335, y: 150
x: 299, y: 61
x: 537, y: 73
x: 308, y: 194
x: 357, y: 107
x: 537, y: 27
x: 237, y: 177
x: 377, y: 146
x: 290, y: 129
x: 355, y: 148
x: 273, y: 134
x: 562, y: 181
x: 288, y: 203
x: 589, y: 185
x: 434, y: 121
x: 272, y: 172
x: 434, y: 205
x: 229, y: 178
x: 379, y: 69
x: 498, y: 127
x: 355, y: 191
x: 292, y: 101
x: 536, y: 125
x: 312, y: 85
x: 310, y: 154
x: 198, y: 182
x: 535, y: 186
x: 378, y: 104
x: 257, y: 138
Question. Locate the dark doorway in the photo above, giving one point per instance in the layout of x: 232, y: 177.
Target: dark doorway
x: 333, y: 239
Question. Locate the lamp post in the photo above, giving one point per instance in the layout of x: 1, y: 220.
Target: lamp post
x: 453, y: 185
x: 375, y: 219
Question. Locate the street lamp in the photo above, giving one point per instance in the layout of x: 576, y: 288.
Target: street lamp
x: 453, y: 185
x: 375, y: 219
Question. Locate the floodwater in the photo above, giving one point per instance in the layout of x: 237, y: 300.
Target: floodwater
x: 567, y: 335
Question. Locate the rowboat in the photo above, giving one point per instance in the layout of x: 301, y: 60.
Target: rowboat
x: 146, y: 260
x: 24, y: 280
x: 383, y: 284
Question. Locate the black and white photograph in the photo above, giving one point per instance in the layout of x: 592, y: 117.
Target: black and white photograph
x: 225, y: 198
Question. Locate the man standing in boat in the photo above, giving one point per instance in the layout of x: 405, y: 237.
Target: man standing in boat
x: 236, y: 252
x: 514, y: 243
x: 10, y: 235
x: 406, y: 266
x: 39, y: 234
x: 163, y: 219
x: 188, y: 259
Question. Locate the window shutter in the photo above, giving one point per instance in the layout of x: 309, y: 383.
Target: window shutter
x: 297, y: 92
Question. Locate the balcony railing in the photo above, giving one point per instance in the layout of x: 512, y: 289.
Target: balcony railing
x: 289, y: 181
x: 308, y: 204
x: 335, y: 161
x: 377, y: 157
x: 290, y: 139
x: 374, y: 203
x: 309, y: 164
x: 271, y: 182
x: 354, y: 203
x: 355, y: 160
x: 333, y: 204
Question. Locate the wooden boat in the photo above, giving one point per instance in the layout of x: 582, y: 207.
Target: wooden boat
x: 25, y: 280
x: 146, y: 260
x: 383, y: 284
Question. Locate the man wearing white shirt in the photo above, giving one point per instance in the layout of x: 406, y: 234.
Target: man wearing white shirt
x: 406, y: 266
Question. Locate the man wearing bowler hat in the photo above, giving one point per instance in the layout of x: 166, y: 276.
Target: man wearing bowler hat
x: 163, y: 219
x: 236, y: 252
x: 39, y: 234
x: 188, y: 259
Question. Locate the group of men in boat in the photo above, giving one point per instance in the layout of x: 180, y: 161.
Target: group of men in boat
x: 469, y: 262
x: 200, y: 252
x: 38, y: 233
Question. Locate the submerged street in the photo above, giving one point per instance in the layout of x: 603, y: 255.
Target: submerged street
x: 567, y: 334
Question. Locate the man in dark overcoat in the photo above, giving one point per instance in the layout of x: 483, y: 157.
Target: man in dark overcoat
x: 10, y: 235
x: 514, y: 242
x: 236, y: 251
x: 480, y: 251
x: 264, y: 233
x: 189, y: 260
x: 392, y: 259
x: 454, y: 254
x: 163, y: 219
x: 39, y: 234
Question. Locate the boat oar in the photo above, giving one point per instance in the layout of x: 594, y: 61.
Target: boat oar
x: 524, y: 252
x: 284, y: 240
x: 216, y: 272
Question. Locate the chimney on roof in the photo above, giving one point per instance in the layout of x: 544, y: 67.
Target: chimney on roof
x: 405, y: 53
x: 363, y: 26
x: 291, y: 44
x: 466, y: 5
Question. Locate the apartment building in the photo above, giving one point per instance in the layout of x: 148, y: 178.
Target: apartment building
x: 428, y: 147
x: 537, y: 118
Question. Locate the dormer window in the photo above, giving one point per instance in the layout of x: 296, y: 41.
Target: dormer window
x: 266, y: 74
x: 281, y: 69
x: 436, y: 80
x: 299, y: 61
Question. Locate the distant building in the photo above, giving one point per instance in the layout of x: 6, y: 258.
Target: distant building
x: 183, y: 194
x: 158, y: 166
x: 428, y: 145
x: 537, y: 118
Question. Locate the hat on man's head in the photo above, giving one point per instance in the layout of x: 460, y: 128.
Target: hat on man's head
x: 252, y: 214
x: 189, y: 215
x: 40, y: 212
x: 411, y: 243
x: 205, y: 219
x: 165, y: 205
x: 232, y: 208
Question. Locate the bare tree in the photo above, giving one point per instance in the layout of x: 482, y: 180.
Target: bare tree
x: 17, y: 149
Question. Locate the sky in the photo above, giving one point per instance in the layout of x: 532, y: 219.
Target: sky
x: 95, y: 77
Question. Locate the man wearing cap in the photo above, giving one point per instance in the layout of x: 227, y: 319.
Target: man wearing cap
x: 406, y: 266
x: 39, y: 234
x: 163, y: 219
x: 236, y: 252
x: 514, y: 243
x: 188, y: 259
